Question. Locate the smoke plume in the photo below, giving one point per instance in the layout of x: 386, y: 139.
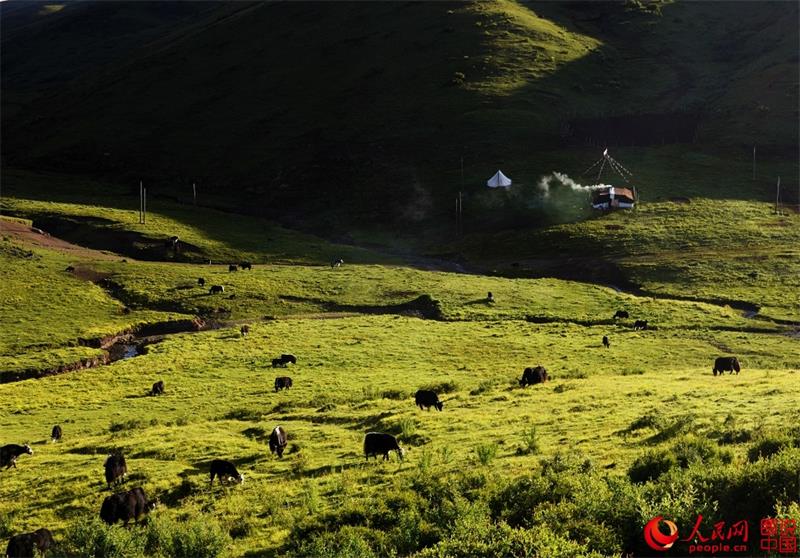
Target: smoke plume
x: 558, y: 179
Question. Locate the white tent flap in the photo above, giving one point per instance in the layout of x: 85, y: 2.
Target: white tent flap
x: 499, y: 180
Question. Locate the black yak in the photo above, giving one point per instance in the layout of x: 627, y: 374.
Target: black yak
x: 277, y: 441
x: 532, y: 376
x: 425, y: 399
x: 10, y: 452
x: 24, y: 545
x: 726, y: 364
x: 115, y: 468
x: 125, y: 506
x: 378, y: 443
x: 282, y: 382
x: 225, y: 470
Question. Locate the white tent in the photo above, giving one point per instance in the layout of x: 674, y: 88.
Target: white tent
x: 499, y: 180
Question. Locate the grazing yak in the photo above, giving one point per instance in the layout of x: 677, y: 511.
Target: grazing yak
x: 640, y: 324
x: 216, y: 289
x: 125, y: 506
x: 244, y: 330
x: 606, y: 342
x: 201, y: 281
x: 282, y: 382
x: 621, y: 314
x: 158, y: 388
x: 283, y: 361
x: 115, y: 468
x: 729, y: 364
x: 225, y: 470
x: 532, y: 376
x: 10, y: 452
x: 378, y: 443
x: 489, y: 297
x: 233, y: 267
x: 70, y: 269
x: 55, y: 434
x: 246, y: 265
x: 337, y: 263
x: 25, y: 544
x: 277, y: 441
x: 425, y: 399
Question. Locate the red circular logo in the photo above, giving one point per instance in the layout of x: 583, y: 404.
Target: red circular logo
x: 657, y: 540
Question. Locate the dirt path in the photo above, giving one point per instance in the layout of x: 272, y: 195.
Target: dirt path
x: 40, y: 239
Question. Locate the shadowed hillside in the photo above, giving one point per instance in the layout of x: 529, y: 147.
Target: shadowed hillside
x: 337, y: 113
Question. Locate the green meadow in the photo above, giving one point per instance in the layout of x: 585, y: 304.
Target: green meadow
x: 573, y: 467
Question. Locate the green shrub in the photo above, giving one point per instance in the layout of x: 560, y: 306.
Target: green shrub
x: 394, y: 394
x: 407, y: 427
x: 200, y: 537
x: 768, y: 444
x: 530, y: 442
x: 6, y: 525
x: 442, y: 387
x: 483, y: 387
x: 651, y: 465
x: 692, y: 449
x: 486, y: 453
x: 96, y: 539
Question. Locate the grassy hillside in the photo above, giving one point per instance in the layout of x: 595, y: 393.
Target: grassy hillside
x: 105, y: 215
x: 49, y: 316
x: 325, y: 115
x: 357, y: 374
x: 498, y: 459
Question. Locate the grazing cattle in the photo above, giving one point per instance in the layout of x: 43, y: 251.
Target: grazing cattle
x: 233, y: 267
x: 378, y: 443
x: 282, y: 382
x: 216, y: 289
x: 621, y: 314
x: 729, y: 364
x: 640, y: 324
x: 277, y: 441
x: 56, y: 434
x: 289, y: 358
x: 10, y: 452
x: 489, y: 297
x: 158, y: 388
x: 201, y: 281
x: 425, y: 399
x: 532, y: 376
x: 115, y: 468
x: 245, y: 265
x: 283, y: 361
x: 69, y: 269
x: 337, y: 263
x: 225, y: 470
x: 25, y: 544
x: 244, y: 330
x: 606, y: 342
x: 125, y: 506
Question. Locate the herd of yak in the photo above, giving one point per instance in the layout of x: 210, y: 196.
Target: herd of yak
x: 132, y: 504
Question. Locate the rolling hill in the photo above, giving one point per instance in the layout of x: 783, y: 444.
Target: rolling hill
x: 330, y: 116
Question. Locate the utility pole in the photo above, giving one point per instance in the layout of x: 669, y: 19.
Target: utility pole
x: 459, y: 205
x: 141, y: 203
x: 194, y: 193
x: 778, y: 195
x: 754, y: 162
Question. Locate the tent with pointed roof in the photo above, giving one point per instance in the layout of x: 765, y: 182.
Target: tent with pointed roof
x: 499, y: 180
